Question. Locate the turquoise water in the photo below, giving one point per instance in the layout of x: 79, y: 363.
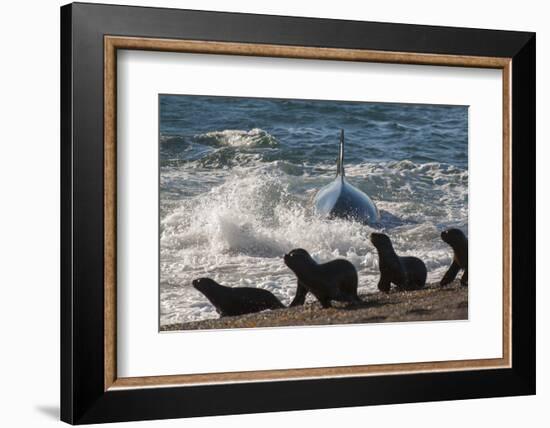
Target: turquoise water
x: 238, y: 175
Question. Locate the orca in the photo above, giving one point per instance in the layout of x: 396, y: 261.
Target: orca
x: 340, y: 199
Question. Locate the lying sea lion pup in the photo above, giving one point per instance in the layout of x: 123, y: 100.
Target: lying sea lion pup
x: 459, y: 243
x: 407, y: 273
x: 230, y: 301
x: 334, y: 280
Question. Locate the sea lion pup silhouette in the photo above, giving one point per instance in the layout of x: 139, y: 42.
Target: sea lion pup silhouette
x: 407, y: 273
x: 459, y: 243
x: 230, y: 301
x: 334, y: 280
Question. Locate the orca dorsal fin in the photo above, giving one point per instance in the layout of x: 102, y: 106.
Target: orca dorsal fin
x: 340, y: 164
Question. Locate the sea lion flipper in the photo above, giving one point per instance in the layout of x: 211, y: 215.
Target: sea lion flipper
x: 459, y: 243
x: 301, y: 293
x: 384, y: 284
x: 464, y: 279
x: 451, y: 273
x: 353, y: 298
x: 277, y: 304
x: 325, y: 302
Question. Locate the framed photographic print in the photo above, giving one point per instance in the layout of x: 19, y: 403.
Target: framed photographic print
x: 266, y: 213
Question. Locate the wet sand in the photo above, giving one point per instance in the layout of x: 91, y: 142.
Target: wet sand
x: 432, y: 303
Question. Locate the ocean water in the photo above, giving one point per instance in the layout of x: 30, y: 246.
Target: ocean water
x: 238, y: 177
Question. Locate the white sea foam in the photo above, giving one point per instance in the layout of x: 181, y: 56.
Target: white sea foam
x: 237, y: 229
x: 238, y: 138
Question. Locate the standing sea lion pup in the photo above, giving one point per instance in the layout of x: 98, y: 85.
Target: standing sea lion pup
x: 408, y: 273
x: 459, y: 243
x: 334, y: 280
x: 238, y: 300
